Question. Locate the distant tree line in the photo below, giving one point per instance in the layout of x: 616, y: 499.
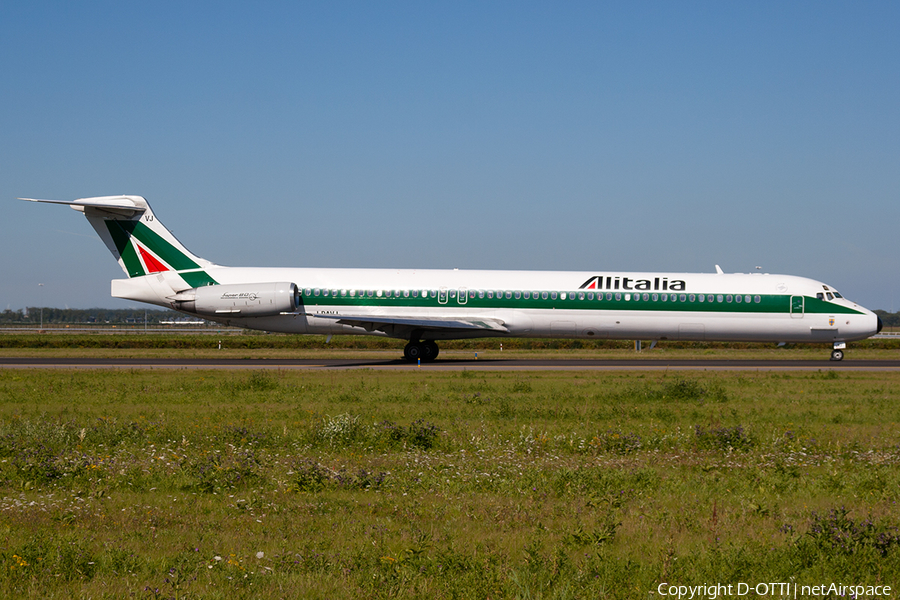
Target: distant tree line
x: 889, y: 319
x: 32, y: 315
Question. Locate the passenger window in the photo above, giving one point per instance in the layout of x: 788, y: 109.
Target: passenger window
x: 518, y: 295
x: 646, y: 297
x: 544, y: 295
x: 728, y: 298
x: 737, y: 298
x: 711, y: 298
x: 747, y: 299
x: 553, y: 295
x: 757, y: 299
x: 618, y: 296
x: 655, y: 297
x: 683, y: 298
x: 609, y: 296
x: 481, y: 293
x: 526, y: 295
x: 590, y: 295
x: 720, y: 298
x: 490, y: 294
x: 415, y: 293
x: 307, y: 292
x: 665, y: 297
x: 701, y: 298
x: 692, y: 297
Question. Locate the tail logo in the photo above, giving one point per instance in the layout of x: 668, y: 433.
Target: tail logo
x: 153, y: 265
x: 143, y: 251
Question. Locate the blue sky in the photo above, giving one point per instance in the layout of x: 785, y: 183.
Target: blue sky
x: 645, y: 136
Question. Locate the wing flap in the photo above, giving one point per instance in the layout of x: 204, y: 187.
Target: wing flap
x: 390, y: 325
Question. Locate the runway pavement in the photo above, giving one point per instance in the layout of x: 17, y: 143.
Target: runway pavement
x: 448, y: 364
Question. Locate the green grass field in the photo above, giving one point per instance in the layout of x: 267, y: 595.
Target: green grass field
x: 371, y: 484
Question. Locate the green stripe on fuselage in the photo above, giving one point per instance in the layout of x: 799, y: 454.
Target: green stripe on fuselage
x: 768, y: 304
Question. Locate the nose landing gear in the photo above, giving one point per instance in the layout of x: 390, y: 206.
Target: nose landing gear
x: 426, y: 350
x: 838, y: 352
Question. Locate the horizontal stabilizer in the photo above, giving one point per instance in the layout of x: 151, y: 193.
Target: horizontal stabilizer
x: 113, y: 204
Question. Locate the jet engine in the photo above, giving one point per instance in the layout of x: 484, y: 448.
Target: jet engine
x: 240, y: 299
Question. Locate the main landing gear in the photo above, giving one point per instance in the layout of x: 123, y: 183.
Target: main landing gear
x: 426, y: 351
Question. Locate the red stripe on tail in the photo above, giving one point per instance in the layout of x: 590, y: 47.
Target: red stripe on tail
x: 153, y: 265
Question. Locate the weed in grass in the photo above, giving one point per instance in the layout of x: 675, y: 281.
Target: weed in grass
x: 423, y: 434
x: 222, y: 471
x: 341, y: 431
x: 837, y: 532
x: 723, y: 438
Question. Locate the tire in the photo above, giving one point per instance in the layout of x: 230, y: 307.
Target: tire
x: 837, y: 355
x: 413, y: 351
x: 430, y: 350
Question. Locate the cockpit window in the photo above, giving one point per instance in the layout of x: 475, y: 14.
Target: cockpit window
x: 820, y: 296
x: 836, y: 295
x: 830, y: 297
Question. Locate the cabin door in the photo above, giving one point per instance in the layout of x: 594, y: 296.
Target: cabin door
x: 796, y: 307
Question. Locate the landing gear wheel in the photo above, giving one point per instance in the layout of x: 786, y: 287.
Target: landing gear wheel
x: 837, y: 355
x: 413, y: 351
x: 429, y: 350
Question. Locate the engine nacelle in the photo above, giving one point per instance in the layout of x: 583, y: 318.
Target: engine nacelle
x: 240, y: 299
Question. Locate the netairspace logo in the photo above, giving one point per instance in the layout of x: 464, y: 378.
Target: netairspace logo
x: 772, y: 590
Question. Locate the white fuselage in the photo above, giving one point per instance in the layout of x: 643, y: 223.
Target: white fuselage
x: 588, y: 305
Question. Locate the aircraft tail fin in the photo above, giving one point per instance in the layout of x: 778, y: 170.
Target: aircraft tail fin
x: 140, y: 243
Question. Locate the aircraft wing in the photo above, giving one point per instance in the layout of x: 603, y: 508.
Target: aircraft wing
x: 397, y: 326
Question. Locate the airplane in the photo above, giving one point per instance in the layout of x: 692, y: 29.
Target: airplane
x: 425, y: 306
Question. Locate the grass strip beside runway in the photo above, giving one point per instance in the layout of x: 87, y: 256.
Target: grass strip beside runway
x: 447, y: 485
